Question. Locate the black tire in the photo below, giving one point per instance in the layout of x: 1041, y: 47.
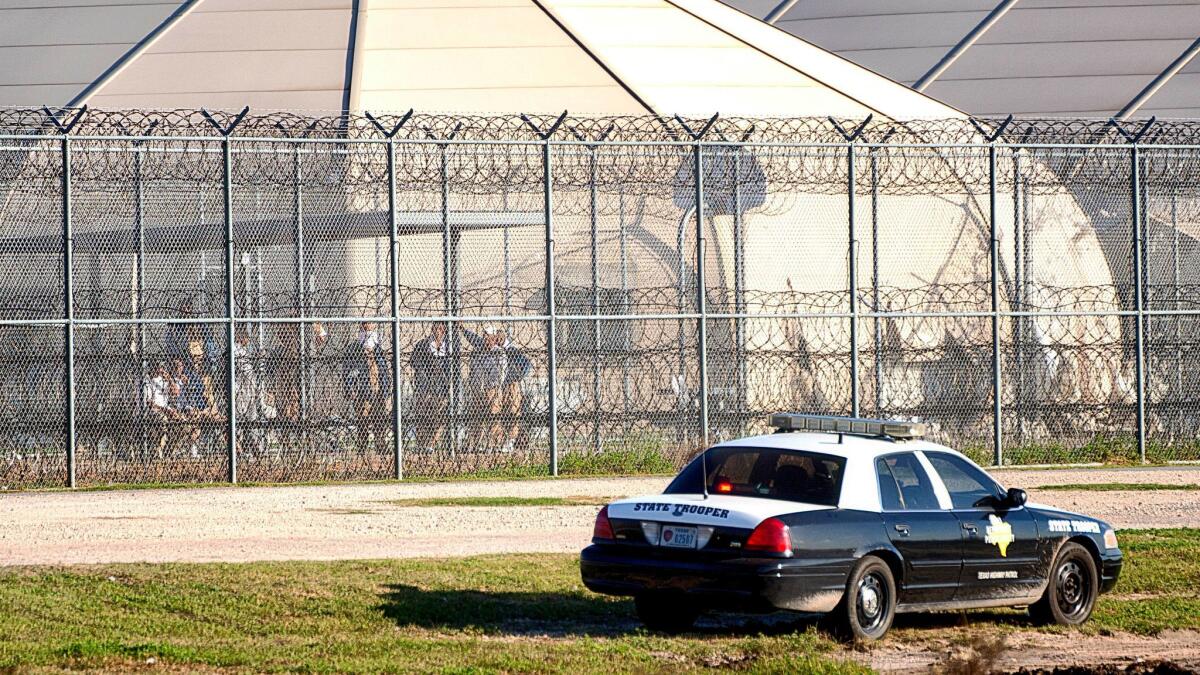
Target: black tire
x: 665, y: 613
x: 869, y: 605
x: 1072, y: 590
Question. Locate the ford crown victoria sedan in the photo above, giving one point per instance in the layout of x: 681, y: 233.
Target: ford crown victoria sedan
x: 857, y: 519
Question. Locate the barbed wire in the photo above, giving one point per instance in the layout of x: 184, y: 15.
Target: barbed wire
x: 769, y: 178
x: 98, y: 302
x: 412, y: 125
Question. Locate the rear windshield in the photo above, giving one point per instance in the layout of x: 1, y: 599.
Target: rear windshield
x: 768, y: 473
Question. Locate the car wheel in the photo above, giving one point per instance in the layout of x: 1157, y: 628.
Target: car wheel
x: 1071, y: 592
x: 666, y: 614
x: 869, y: 605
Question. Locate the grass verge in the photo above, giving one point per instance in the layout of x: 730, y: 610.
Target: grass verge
x: 1118, y: 487
x: 513, y: 613
x: 516, y: 613
x: 502, y: 501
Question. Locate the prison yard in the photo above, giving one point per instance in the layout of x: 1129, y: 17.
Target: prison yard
x: 325, y: 331
x: 204, y: 296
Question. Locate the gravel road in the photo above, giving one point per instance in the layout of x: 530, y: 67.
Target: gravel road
x: 358, y: 521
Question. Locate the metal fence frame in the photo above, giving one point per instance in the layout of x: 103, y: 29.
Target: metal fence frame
x: 852, y: 145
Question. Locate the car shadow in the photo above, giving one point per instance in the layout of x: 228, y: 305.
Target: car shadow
x: 513, y: 613
x: 578, y: 614
x: 555, y: 614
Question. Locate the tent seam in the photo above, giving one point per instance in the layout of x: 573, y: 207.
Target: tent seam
x: 771, y: 56
x: 134, y: 52
x: 623, y: 84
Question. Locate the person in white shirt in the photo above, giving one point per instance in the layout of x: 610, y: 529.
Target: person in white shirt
x: 368, y: 384
x: 156, y: 394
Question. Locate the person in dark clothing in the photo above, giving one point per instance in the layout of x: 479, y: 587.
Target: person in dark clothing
x: 369, y: 385
x: 432, y: 366
x: 190, y: 340
x: 497, y: 368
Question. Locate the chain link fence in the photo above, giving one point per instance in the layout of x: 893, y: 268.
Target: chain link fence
x: 196, y: 297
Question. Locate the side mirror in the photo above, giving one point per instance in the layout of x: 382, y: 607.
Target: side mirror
x: 1016, y: 497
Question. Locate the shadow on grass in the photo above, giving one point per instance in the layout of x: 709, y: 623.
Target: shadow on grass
x: 556, y: 614
x: 579, y: 614
x: 513, y: 613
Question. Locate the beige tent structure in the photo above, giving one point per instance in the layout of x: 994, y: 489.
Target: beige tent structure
x: 497, y: 56
x: 628, y: 57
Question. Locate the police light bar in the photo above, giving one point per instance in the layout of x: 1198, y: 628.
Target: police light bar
x: 848, y: 425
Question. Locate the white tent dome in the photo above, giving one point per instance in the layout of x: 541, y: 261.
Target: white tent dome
x: 627, y: 57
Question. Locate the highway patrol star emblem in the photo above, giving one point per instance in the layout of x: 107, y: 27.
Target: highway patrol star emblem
x: 999, y: 533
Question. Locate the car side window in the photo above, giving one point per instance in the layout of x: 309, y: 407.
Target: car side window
x: 903, y: 484
x: 968, y: 486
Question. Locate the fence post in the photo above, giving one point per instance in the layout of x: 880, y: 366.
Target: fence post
x: 139, y: 271
x: 551, y: 308
x: 876, y: 323
x: 701, y: 300
x: 301, y: 284
x: 595, y: 263
x: 994, y: 291
x: 1017, y: 323
x: 739, y: 291
x: 852, y: 272
x: 69, y: 304
x: 450, y: 301
x: 1177, y: 394
x: 394, y: 260
x: 1135, y: 180
x: 230, y: 341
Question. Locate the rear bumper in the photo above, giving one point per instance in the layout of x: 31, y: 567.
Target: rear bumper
x: 1110, y: 570
x: 741, y: 584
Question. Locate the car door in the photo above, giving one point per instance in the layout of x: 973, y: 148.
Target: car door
x: 926, y: 535
x: 999, y: 545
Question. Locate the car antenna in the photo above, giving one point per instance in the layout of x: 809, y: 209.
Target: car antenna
x: 704, y: 472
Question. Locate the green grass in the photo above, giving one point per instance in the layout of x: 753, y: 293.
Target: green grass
x: 518, y: 613
x: 617, y: 462
x: 496, y: 613
x: 1119, y: 450
x: 1157, y: 590
x: 1118, y: 487
x: 501, y: 501
x: 513, y: 613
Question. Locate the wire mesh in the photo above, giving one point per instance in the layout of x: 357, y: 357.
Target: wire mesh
x: 150, y: 403
x: 350, y: 250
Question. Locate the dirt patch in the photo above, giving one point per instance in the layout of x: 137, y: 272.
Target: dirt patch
x: 970, y: 650
x: 364, y: 521
x: 1144, y: 668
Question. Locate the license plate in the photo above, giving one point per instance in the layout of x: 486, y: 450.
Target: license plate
x: 678, y: 537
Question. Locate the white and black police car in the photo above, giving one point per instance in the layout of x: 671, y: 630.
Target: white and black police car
x: 855, y: 518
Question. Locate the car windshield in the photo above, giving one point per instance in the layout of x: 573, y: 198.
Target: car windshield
x: 767, y: 473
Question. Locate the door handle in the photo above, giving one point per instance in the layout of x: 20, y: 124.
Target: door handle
x: 902, y: 529
x: 970, y: 527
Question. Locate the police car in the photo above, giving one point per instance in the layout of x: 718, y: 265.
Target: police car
x: 855, y: 518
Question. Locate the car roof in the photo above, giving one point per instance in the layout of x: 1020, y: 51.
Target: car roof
x: 839, y: 445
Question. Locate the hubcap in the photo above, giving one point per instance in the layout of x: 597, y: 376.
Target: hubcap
x: 872, y: 601
x: 1072, y: 588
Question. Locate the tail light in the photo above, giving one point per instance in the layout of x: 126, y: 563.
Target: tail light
x: 771, y: 536
x: 603, y: 528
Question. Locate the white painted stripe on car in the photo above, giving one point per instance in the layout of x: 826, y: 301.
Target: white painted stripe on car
x: 720, y: 510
